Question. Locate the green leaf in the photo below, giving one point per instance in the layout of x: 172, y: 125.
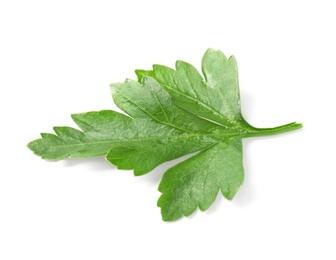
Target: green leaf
x: 196, y: 181
x: 216, y: 97
x: 169, y: 113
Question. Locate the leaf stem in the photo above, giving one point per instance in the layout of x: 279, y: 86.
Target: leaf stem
x: 273, y: 131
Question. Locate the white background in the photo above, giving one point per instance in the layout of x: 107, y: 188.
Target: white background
x: 59, y: 57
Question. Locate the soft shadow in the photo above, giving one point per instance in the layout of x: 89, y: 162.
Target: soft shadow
x: 96, y: 163
x: 153, y: 178
x: 247, y: 194
x: 184, y: 218
x: 215, y: 206
x: 246, y: 101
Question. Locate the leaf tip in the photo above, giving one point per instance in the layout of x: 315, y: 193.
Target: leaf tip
x: 215, y: 54
x: 31, y: 145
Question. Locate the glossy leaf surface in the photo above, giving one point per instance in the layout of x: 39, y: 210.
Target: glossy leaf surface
x: 170, y: 113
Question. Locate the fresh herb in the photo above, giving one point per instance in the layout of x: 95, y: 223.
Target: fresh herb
x: 171, y: 113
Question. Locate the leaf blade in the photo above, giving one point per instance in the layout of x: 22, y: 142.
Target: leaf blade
x: 170, y: 113
x: 196, y: 181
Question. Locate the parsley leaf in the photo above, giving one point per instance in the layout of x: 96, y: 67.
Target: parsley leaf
x: 171, y: 113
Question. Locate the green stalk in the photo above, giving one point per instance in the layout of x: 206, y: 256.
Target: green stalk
x: 273, y: 131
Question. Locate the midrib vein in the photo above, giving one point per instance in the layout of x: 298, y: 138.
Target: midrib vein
x: 201, y: 103
x: 98, y: 142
